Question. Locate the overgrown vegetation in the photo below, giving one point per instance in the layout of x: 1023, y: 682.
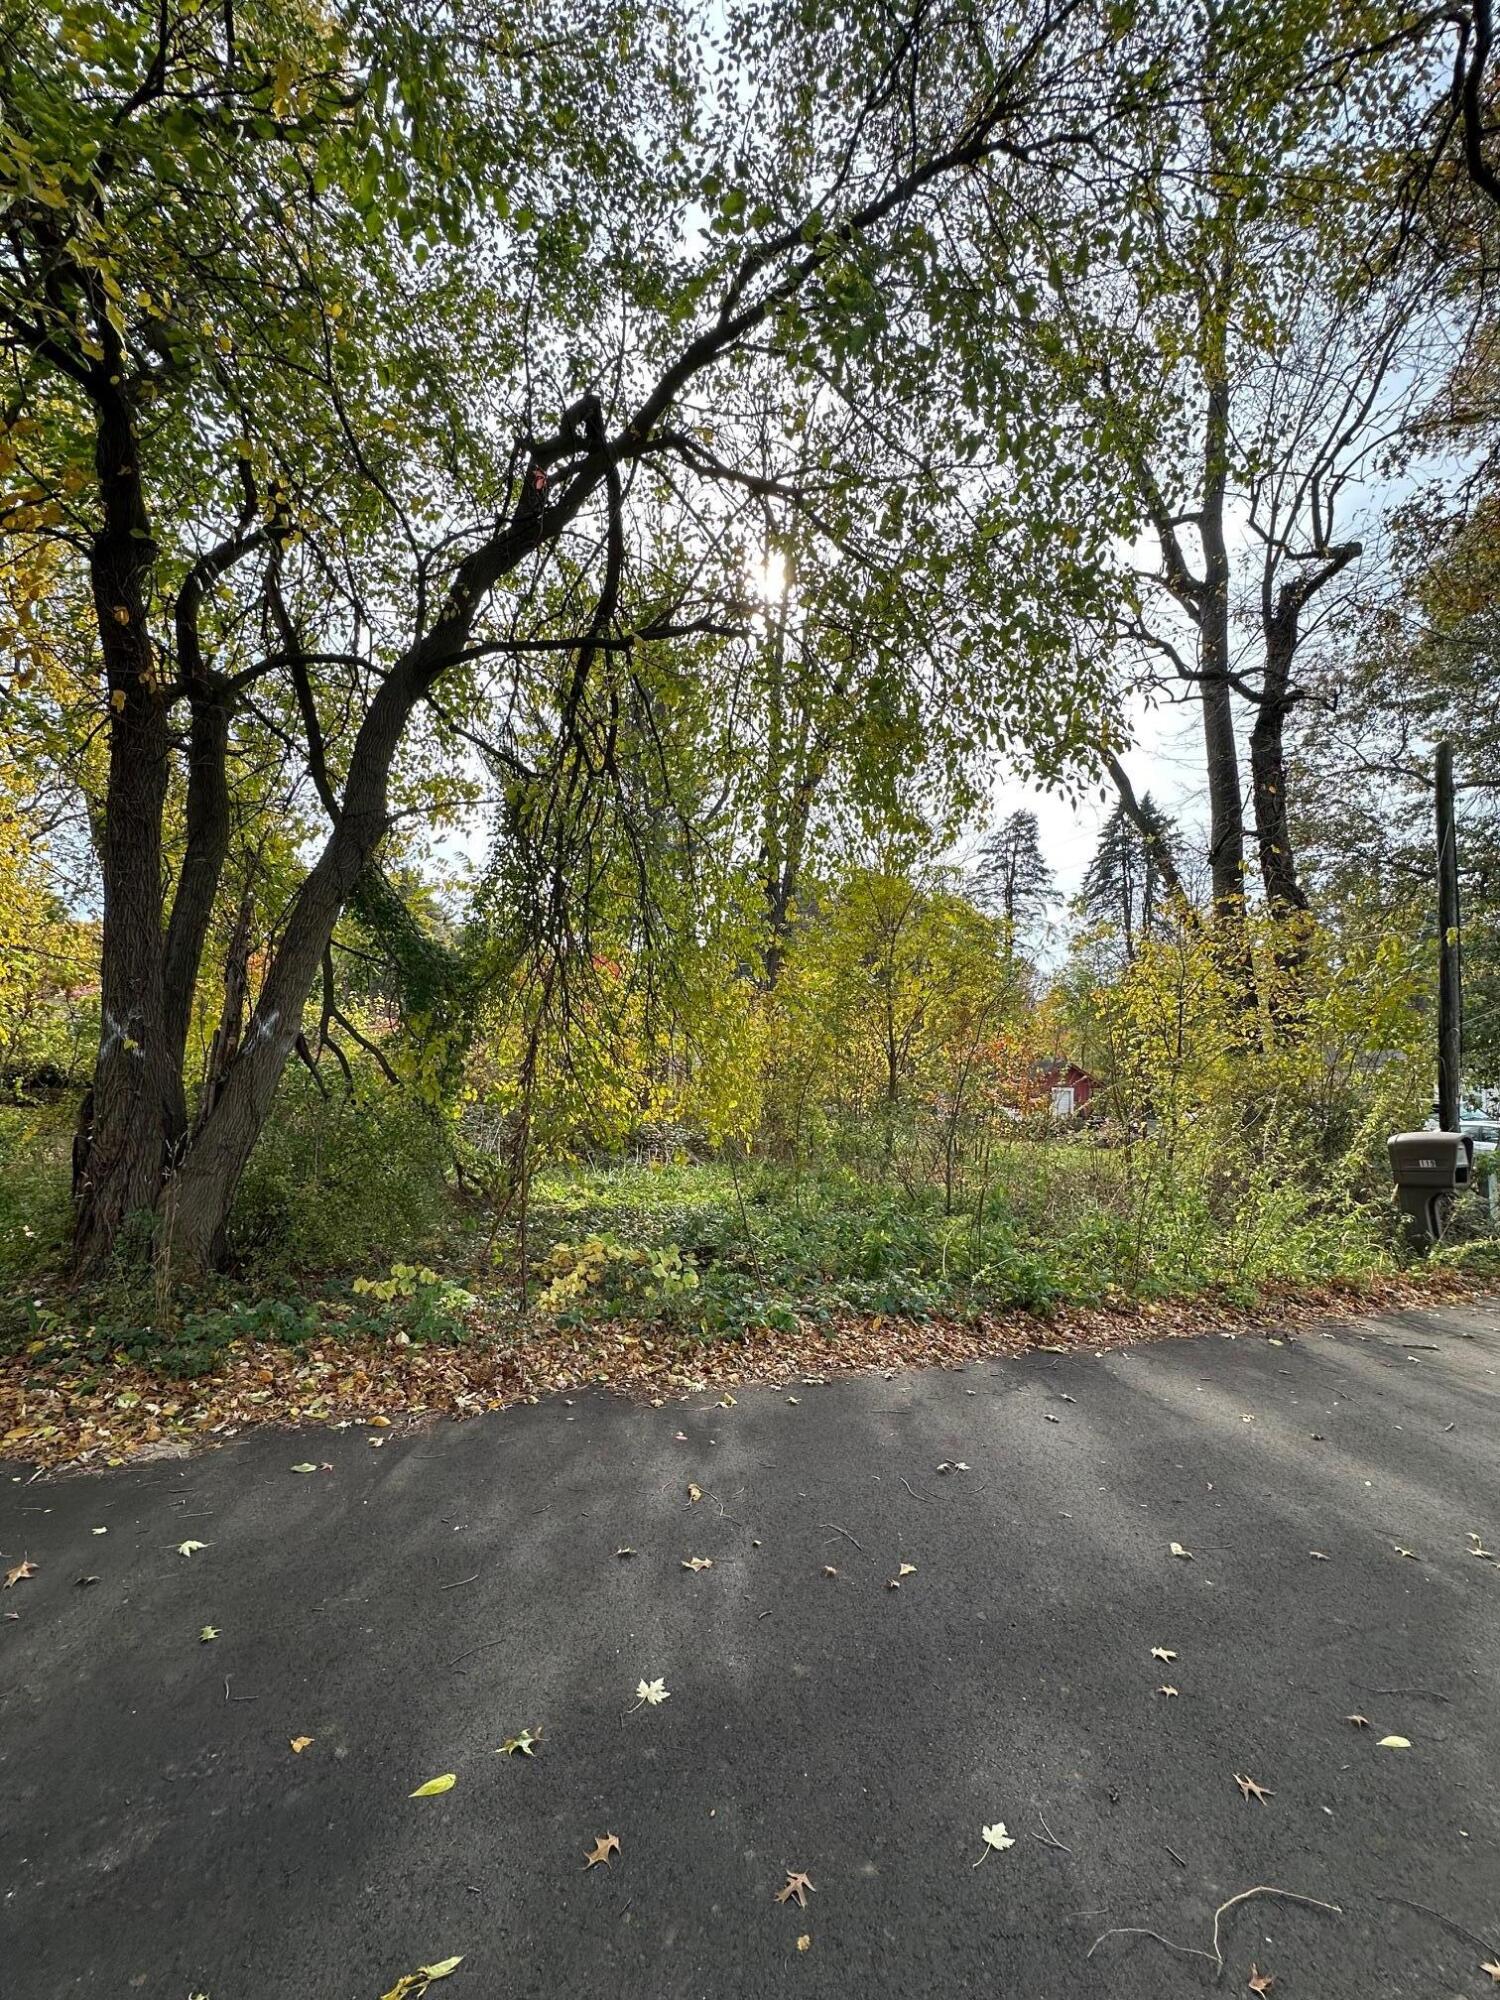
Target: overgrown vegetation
x: 520, y: 562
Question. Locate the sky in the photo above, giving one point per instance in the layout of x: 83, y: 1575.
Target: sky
x: 1166, y: 759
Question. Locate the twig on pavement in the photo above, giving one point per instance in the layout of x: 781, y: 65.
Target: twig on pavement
x: 844, y: 1532
x: 481, y: 1647
x: 1215, y: 1957
x: 1428, y: 1911
x: 913, y: 1491
x: 1047, y: 1838
x: 1420, y: 1694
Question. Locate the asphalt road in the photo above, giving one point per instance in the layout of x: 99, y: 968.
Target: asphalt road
x: 424, y: 1600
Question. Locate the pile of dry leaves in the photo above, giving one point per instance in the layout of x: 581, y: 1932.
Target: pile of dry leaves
x: 48, y: 1418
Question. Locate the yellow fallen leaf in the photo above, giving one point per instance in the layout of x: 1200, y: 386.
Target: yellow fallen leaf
x: 411, y: 1984
x: 695, y: 1494
x: 1394, y: 1743
x: 435, y: 1785
x: 300, y: 1743
x: 804, y: 1943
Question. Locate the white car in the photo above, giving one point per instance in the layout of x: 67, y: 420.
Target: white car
x: 1485, y: 1132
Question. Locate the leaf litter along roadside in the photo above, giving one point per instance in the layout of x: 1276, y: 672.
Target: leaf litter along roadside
x: 49, y: 1420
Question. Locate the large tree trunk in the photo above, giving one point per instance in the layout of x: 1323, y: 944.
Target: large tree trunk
x: 1226, y: 849
x: 198, y: 1198
x: 1278, y: 863
x: 136, y: 1093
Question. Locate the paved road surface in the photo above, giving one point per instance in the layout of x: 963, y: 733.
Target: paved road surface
x: 421, y: 1602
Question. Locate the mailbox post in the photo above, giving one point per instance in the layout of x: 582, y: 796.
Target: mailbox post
x: 1426, y: 1166
x: 1429, y: 1168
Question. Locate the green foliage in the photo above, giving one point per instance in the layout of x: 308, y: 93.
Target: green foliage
x: 35, y: 1214
x: 340, y: 1183
x: 600, y: 1270
x: 418, y: 1305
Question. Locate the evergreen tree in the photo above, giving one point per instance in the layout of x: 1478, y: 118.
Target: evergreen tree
x: 1123, y: 886
x: 1011, y: 878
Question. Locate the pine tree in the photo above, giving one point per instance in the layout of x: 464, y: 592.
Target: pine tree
x: 1123, y: 886
x: 1011, y: 878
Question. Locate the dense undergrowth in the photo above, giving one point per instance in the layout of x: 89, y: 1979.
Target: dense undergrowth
x: 356, y: 1220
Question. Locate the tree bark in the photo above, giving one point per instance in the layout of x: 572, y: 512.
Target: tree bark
x: 1226, y: 851
x: 136, y: 1090
x: 1278, y: 863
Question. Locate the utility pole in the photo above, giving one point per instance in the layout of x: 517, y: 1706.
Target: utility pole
x: 1450, y: 999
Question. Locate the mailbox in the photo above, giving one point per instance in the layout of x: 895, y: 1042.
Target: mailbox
x: 1426, y: 1166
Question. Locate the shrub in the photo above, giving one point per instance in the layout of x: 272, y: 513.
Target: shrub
x: 341, y: 1182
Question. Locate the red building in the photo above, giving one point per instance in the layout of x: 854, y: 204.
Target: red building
x: 1070, y: 1088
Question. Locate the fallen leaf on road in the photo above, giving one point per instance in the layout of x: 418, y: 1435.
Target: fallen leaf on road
x: 300, y: 1743
x: 1317, y: 1555
x: 435, y: 1785
x: 412, y: 1984
x: 606, y: 1845
x: 208, y: 1632
x: 1492, y: 1967
x: 1359, y: 1721
x: 797, y: 1886
x: 523, y: 1745
x: 99, y: 1531
x: 624, y: 1552
x: 1394, y: 1743
x: 22, y: 1573
x: 1410, y: 1554
x: 1260, y: 1982
x: 804, y: 1943
x: 190, y: 1548
x: 795, y: 1401
x: 652, y: 1693
x: 380, y: 1423
x: 907, y: 1569
x: 829, y: 1570
x: 695, y: 1494
x: 1252, y: 1790
x: 1162, y: 1653
x: 695, y: 1563
x: 80, y: 1582
x: 304, y: 1468
x: 726, y: 1401
x: 995, y: 1839
x: 1176, y: 1549
x: 1170, y: 1692
x: 1048, y: 1418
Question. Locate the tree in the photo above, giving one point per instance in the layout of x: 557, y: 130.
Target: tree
x: 272, y: 286
x: 1012, y: 879
x: 1241, y: 370
x: 1130, y: 878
